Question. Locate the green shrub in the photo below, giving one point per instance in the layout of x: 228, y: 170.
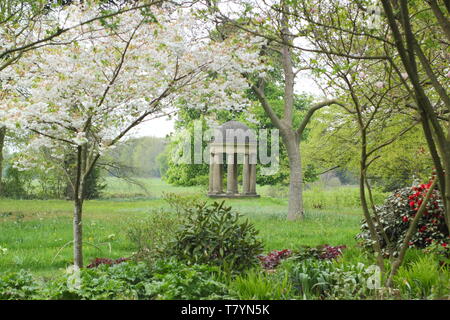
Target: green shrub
x: 164, y: 280
x: 18, y: 286
x: 212, y: 234
x: 423, y: 279
x: 121, y: 281
x: 396, y: 215
x: 180, y: 203
x: 152, y: 236
x: 173, y: 280
x: 324, y: 279
x: 258, y: 285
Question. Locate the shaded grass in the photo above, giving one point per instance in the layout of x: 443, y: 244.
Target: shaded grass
x: 34, y: 231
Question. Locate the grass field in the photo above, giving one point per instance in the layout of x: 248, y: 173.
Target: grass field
x: 37, y: 233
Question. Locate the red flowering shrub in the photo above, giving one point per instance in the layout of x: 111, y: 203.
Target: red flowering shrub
x: 322, y: 252
x: 274, y: 258
x: 98, y: 261
x: 397, y: 213
x: 330, y: 252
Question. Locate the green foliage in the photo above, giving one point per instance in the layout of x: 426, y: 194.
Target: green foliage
x: 39, y: 183
x: 180, y: 203
x: 121, y: 281
x: 324, y: 279
x: 18, y: 286
x: 423, y: 279
x: 168, y: 279
x: 152, y: 236
x: 396, y: 214
x: 179, y: 173
x: 212, y: 234
x: 333, y: 133
x: 442, y: 252
x: 174, y: 280
x: 16, y: 183
x: 260, y: 285
x: 94, y: 184
x: 187, y: 174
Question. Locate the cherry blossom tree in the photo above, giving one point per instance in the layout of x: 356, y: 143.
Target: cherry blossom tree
x: 27, y: 25
x: 113, y: 74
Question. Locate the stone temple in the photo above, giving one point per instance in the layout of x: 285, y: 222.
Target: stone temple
x: 233, y: 143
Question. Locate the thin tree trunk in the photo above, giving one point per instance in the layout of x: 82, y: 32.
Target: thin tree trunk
x: 377, y: 218
x: 362, y: 193
x: 78, y: 234
x: 2, y: 144
x: 372, y: 230
x: 295, y: 207
x: 78, y: 213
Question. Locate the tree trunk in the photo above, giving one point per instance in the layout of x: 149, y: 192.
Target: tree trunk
x: 78, y: 233
x: 2, y: 144
x: 362, y: 193
x: 78, y: 212
x: 367, y: 216
x: 295, y: 210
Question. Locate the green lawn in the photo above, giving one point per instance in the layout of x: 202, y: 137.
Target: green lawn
x: 36, y: 231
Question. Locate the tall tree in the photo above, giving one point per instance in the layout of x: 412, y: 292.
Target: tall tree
x: 423, y: 54
x: 27, y: 25
x: 339, y: 29
x: 273, y: 22
x: 88, y: 94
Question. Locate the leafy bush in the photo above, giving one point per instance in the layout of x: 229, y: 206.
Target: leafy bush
x: 397, y: 213
x: 120, y: 281
x: 18, y: 286
x: 164, y: 280
x: 212, y: 234
x: 331, y: 252
x: 257, y: 285
x: 274, y: 258
x: 423, y: 279
x: 180, y: 203
x: 323, y: 252
x: 173, y: 280
x: 441, y: 251
x: 325, y: 279
x: 153, y: 235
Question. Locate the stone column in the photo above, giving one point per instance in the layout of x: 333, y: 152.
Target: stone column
x: 252, y: 183
x: 231, y: 174
x: 211, y: 173
x: 246, y: 176
x: 217, y: 173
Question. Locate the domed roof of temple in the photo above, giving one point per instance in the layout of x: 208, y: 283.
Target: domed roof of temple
x: 234, y: 132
